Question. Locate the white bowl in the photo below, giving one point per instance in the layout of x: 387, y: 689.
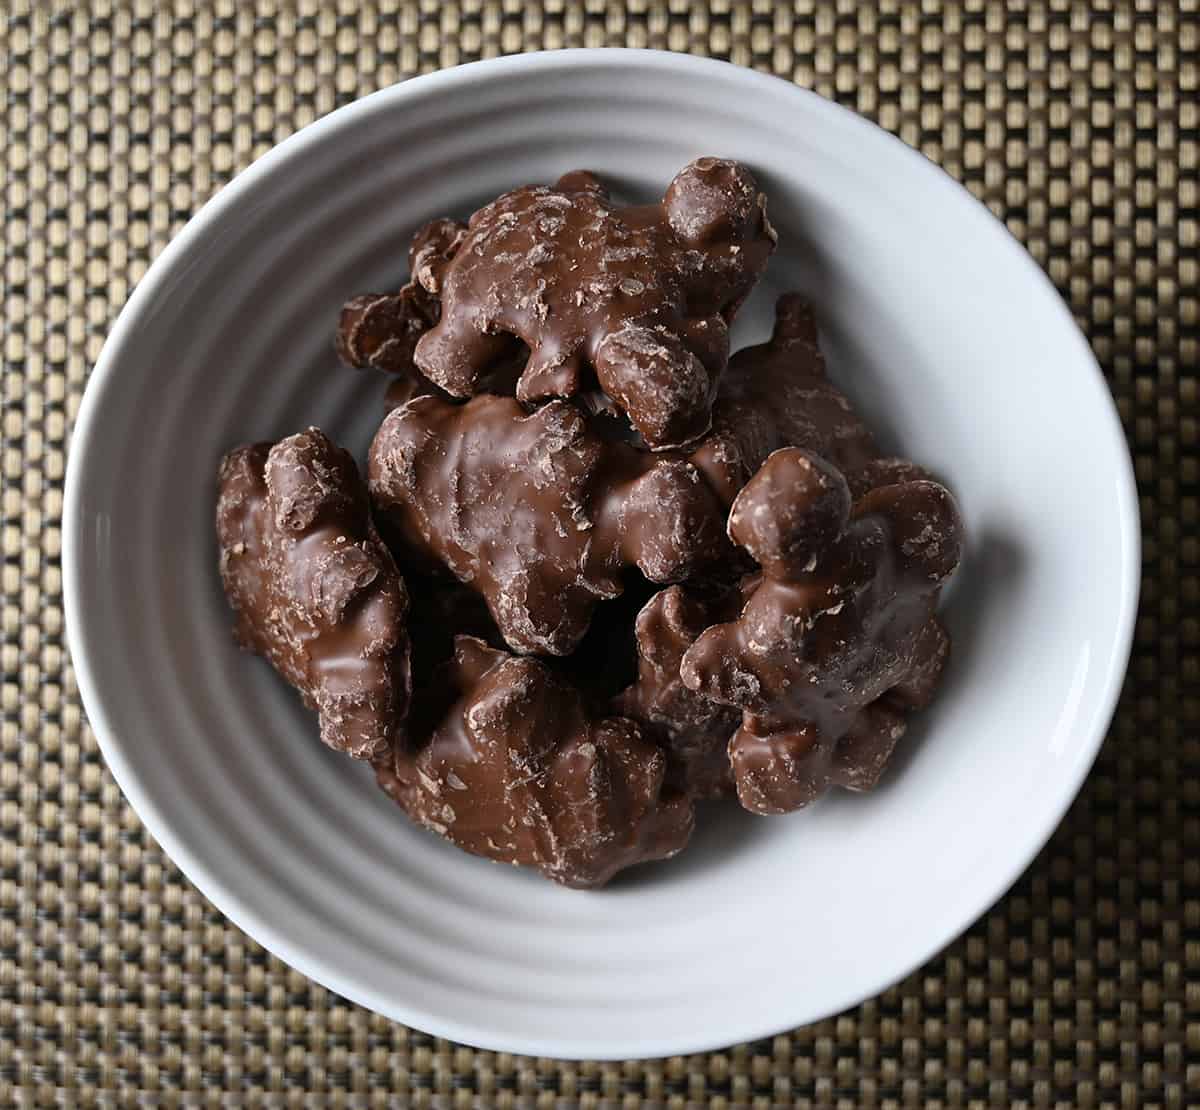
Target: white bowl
x: 935, y: 321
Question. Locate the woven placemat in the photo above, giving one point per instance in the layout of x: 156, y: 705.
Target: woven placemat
x: 1075, y: 122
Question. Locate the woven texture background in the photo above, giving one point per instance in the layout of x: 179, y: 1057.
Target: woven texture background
x: 1075, y: 122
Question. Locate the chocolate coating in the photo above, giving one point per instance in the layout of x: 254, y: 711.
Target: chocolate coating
x: 837, y: 638
x: 692, y: 729
x: 381, y: 330
x: 501, y: 380
x: 512, y: 767
x: 536, y: 512
x: 777, y: 394
x: 314, y: 590
x: 639, y: 296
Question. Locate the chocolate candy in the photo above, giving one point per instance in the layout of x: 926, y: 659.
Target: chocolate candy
x: 777, y: 394
x: 505, y: 761
x: 692, y: 729
x: 314, y: 590
x: 381, y: 330
x: 837, y: 639
x: 536, y: 511
x: 637, y: 299
x: 565, y: 435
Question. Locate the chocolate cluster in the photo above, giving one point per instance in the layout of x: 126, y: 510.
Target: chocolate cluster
x: 597, y: 570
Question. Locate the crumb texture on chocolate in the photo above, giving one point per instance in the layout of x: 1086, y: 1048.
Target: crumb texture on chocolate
x: 636, y: 298
x: 837, y: 639
x: 313, y: 588
x: 536, y: 511
x: 505, y: 761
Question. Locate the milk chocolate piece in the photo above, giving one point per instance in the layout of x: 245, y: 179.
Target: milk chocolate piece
x: 536, y: 512
x: 505, y: 761
x: 693, y: 729
x: 314, y: 590
x: 837, y: 640
x: 777, y: 394
x: 637, y: 298
x: 381, y: 330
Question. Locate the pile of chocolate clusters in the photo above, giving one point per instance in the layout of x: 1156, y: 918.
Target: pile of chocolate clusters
x: 598, y: 569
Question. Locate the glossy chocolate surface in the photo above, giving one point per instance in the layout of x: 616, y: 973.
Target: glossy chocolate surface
x: 314, y: 590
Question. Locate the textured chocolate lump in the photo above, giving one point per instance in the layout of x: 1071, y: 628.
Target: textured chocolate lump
x: 505, y: 761
x: 837, y: 639
x: 777, y: 394
x: 536, y: 512
x: 314, y: 590
x: 636, y: 299
x: 692, y: 729
x: 380, y: 330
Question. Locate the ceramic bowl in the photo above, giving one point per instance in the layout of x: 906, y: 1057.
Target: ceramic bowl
x: 943, y: 331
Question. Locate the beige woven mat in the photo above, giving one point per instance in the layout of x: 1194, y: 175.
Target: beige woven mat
x: 1076, y: 122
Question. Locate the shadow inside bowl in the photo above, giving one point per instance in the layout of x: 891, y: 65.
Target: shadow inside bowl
x: 724, y: 831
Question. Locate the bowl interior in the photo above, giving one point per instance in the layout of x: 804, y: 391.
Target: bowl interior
x: 937, y: 325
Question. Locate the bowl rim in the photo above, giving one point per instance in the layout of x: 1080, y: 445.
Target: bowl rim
x: 105, y: 376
